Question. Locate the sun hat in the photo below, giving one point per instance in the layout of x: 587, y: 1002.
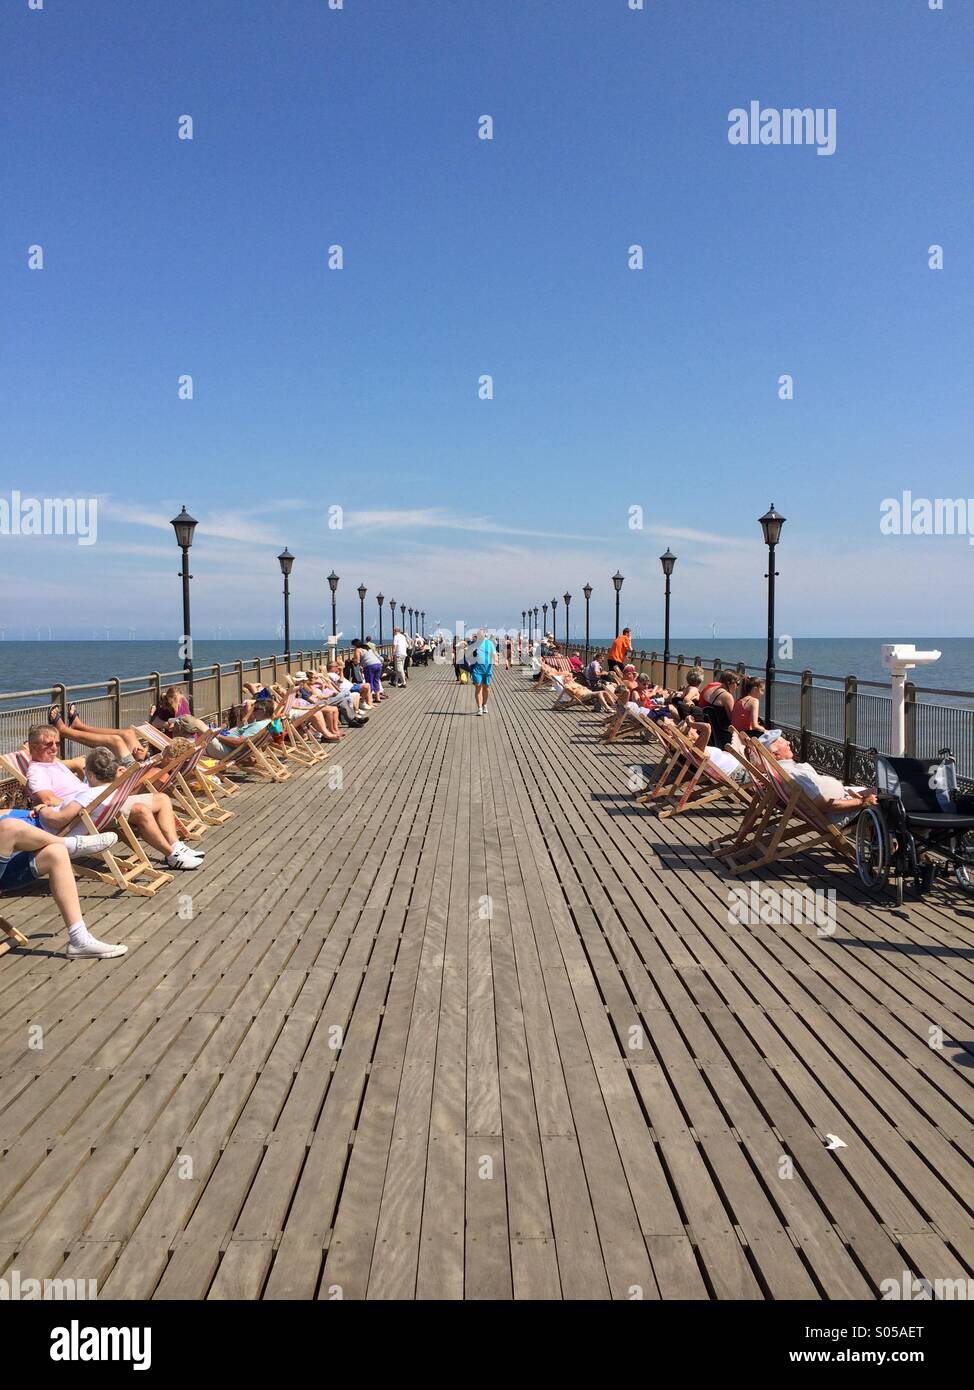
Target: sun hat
x: 770, y: 736
x: 300, y: 675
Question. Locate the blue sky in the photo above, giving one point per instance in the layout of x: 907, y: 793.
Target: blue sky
x: 613, y: 388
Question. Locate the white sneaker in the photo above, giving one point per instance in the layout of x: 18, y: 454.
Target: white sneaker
x: 480, y: 710
x: 184, y: 859
x: 92, y: 844
x: 100, y: 950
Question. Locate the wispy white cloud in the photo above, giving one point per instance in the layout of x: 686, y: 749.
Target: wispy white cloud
x: 237, y: 526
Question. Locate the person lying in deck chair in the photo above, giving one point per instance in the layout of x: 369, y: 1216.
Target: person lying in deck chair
x: 324, y: 722
x: 59, y: 795
x: 841, y: 803
x: 28, y: 853
x: 124, y: 743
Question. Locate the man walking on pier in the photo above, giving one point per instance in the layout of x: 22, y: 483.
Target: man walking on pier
x: 400, y: 648
x: 480, y: 658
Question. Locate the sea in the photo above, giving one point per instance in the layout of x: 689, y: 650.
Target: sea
x: 36, y: 665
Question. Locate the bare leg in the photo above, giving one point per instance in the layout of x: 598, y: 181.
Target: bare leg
x: 128, y: 735
x: 50, y: 860
x: 147, y: 827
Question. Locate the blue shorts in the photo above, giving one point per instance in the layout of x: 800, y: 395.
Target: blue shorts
x: 480, y: 675
x: 17, y: 871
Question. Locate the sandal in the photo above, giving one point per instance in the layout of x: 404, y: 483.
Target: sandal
x: 54, y: 716
x: 71, y: 716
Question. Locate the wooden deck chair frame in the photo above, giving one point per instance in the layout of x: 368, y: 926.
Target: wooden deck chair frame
x: 794, y: 826
x: 198, y: 789
x: 551, y: 667
x: 301, y: 743
x: 261, y: 759
x: 577, y: 693
x: 190, y: 814
x: 696, y: 780
x: 135, y: 873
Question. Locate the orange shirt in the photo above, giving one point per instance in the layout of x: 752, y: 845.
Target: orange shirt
x: 620, y: 648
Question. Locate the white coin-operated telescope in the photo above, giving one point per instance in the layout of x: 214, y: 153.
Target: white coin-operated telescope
x: 898, y: 658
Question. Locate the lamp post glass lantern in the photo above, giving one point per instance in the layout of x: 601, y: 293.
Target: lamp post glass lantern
x: 286, y: 560
x: 667, y: 560
x: 771, y: 524
x: 184, y: 526
x: 587, y: 591
x: 617, y: 581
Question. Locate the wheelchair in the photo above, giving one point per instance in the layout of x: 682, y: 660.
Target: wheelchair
x: 920, y: 829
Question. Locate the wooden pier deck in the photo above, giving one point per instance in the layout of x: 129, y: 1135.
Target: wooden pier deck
x: 464, y: 1022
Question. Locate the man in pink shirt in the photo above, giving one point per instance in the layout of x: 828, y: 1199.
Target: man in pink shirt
x: 59, y: 794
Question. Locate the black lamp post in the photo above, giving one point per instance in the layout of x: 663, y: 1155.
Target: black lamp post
x: 771, y: 524
x: 568, y: 599
x: 667, y: 560
x: 380, y: 599
x: 544, y: 609
x: 587, y: 591
x: 392, y: 609
x: 617, y: 579
x: 422, y: 624
x: 184, y: 525
x: 402, y: 620
x: 286, y: 560
x: 362, y: 591
x: 333, y: 586
x: 410, y: 622
x: 535, y: 622
x: 554, y: 620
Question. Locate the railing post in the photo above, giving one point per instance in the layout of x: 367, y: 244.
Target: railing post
x: 156, y: 679
x: 276, y: 669
x: 911, y: 719
x: 218, y: 672
x: 680, y: 680
x: 59, y: 697
x: 716, y: 667
x: 116, y: 685
x: 238, y: 695
x: 805, y: 712
x: 850, y: 724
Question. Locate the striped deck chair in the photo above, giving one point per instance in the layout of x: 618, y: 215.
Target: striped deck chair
x: 259, y: 756
x: 689, y: 778
x: 789, y: 823
x: 198, y: 782
x: 552, y: 666
x: 173, y: 778
x: 297, y: 744
x: 135, y: 872
x: 622, y: 723
x: 302, y: 744
x: 571, y: 692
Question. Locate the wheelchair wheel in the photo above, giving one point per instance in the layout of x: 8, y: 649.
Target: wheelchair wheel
x: 964, y: 872
x: 872, y: 849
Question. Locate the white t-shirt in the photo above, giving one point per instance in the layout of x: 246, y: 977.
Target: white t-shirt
x: 817, y: 784
x: 399, y: 644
